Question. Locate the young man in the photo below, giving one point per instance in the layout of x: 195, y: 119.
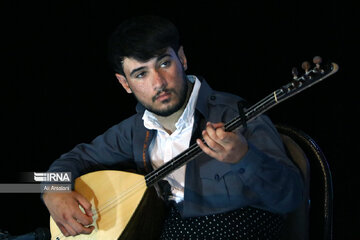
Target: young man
x: 239, y: 189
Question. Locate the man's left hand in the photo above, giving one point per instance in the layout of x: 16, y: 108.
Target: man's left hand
x: 224, y: 146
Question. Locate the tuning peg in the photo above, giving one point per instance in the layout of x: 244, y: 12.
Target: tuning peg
x: 306, y: 66
x: 294, y: 72
x: 317, y: 61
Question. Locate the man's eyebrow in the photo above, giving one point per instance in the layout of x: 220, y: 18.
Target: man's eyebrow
x: 136, y: 69
x: 159, y: 58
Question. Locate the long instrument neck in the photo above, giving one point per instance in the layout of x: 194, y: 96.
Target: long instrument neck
x: 297, y: 85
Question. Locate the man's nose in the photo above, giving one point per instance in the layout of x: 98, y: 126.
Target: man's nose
x: 159, y: 81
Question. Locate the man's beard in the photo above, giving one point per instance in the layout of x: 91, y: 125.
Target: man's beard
x: 168, y: 111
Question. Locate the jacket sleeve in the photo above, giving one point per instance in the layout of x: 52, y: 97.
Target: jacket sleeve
x: 268, y: 177
x: 112, y: 149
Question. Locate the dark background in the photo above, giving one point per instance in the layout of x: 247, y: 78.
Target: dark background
x: 57, y: 88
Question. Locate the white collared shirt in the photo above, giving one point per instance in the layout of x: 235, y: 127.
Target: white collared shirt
x: 165, y: 147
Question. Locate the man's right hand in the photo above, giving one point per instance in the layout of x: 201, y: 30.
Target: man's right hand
x: 65, y: 211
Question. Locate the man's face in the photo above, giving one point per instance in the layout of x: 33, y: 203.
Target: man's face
x: 159, y: 84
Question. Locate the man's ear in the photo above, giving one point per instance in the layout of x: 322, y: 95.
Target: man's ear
x: 182, y: 57
x: 124, y: 83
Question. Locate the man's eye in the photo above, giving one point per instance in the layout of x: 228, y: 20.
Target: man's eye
x: 140, y: 75
x: 165, y: 64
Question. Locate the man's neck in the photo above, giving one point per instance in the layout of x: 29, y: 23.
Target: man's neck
x: 168, y: 122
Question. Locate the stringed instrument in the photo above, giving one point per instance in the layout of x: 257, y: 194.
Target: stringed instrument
x: 115, y: 195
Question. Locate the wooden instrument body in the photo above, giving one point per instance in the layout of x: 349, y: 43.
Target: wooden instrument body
x: 114, y: 196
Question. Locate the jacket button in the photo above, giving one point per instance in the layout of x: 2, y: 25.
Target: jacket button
x: 212, y: 97
x: 241, y: 170
x: 217, y: 177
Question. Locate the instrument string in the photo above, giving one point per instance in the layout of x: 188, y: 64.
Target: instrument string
x: 118, y: 199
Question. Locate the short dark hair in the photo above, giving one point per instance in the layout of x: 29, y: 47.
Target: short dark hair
x: 141, y: 38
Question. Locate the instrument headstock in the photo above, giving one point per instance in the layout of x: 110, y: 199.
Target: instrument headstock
x: 312, y: 74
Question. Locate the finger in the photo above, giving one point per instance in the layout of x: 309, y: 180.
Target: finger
x: 82, y: 218
x: 77, y: 227
x: 85, y: 204
x: 216, y: 131
x: 218, y: 125
x: 87, y: 230
x: 206, y: 149
x: 222, y: 135
x: 227, y: 137
x: 63, y: 230
x: 70, y: 230
x: 211, y: 142
x: 210, y: 130
x: 220, y: 132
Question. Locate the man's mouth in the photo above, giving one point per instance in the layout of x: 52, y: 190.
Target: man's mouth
x: 162, y: 96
